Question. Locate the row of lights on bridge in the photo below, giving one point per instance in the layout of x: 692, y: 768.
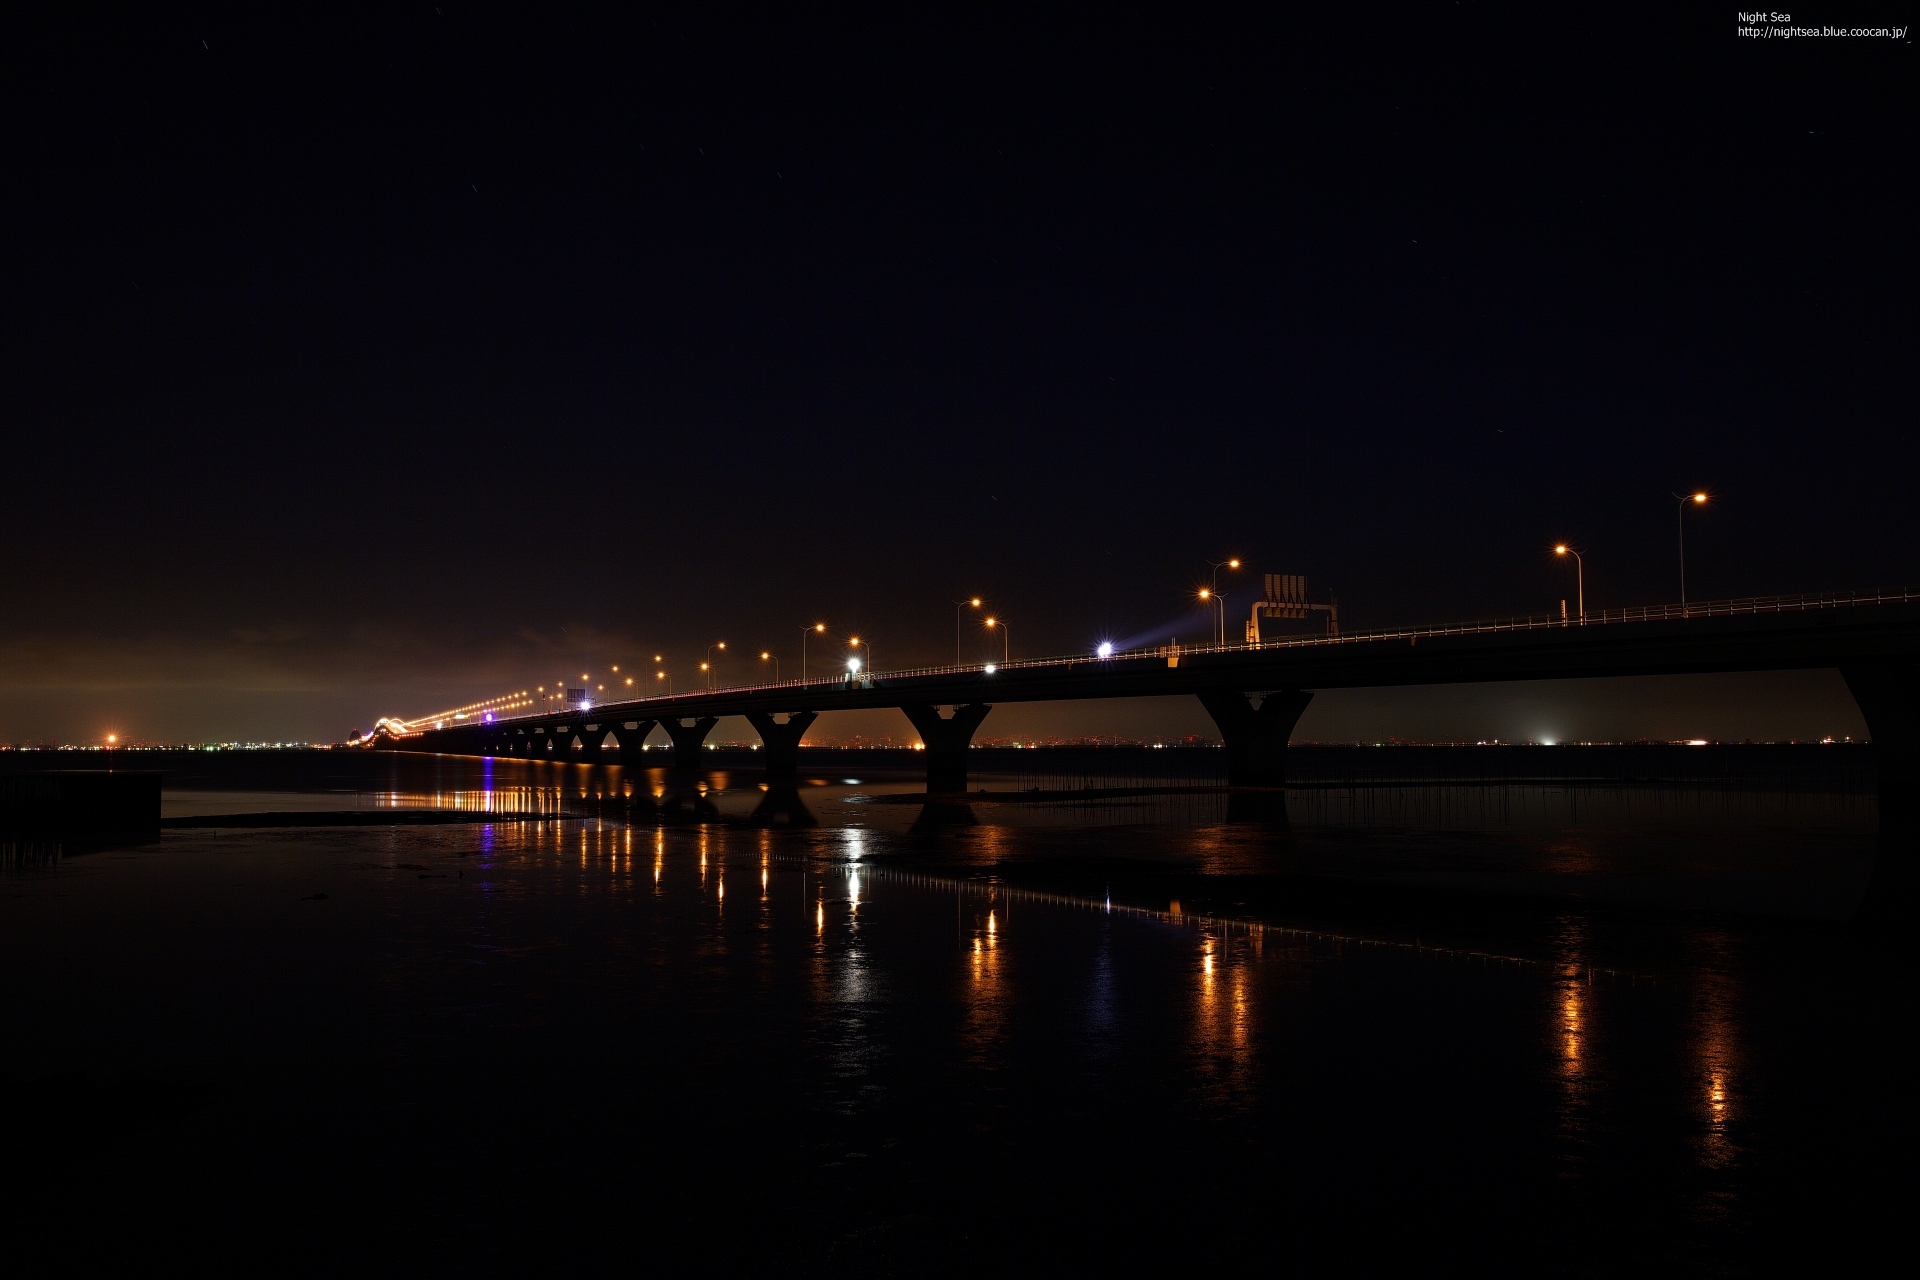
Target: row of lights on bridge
x: 1209, y: 595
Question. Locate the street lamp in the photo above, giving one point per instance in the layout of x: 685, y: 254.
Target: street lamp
x: 1214, y: 600
x: 818, y: 628
x: 1213, y: 591
x: 1579, y: 576
x: 1006, y: 641
x: 714, y: 680
x: 661, y: 675
x: 958, y: 613
x: 855, y: 642
x: 1680, y: 519
x: 767, y: 656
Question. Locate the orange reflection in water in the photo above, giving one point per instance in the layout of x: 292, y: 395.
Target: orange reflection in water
x: 1572, y: 1039
x: 1717, y: 1052
x: 1222, y: 1015
x: 986, y: 985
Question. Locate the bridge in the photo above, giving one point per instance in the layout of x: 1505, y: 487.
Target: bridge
x: 1257, y: 692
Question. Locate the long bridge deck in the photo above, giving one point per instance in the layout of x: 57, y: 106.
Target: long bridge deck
x: 1256, y: 692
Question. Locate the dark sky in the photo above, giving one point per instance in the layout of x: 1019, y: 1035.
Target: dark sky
x: 362, y: 362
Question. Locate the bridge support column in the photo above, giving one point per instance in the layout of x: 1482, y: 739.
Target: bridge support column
x: 946, y: 739
x: 1256, y: 738
x: 1888, y: 694
x: 687, y: 739
x: 631, y: 740
x: 780, y: 743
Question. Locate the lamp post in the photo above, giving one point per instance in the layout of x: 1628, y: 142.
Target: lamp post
x: 818, y: 628
x: 855, y: 642
x: 1215, y: 600
x: 661, y: 675
x: 713, y: 680
x: 1680, y: 520
x: 1579, y: 576
x: 1006, y: 641
x: 1213, y: 590
x: 767, y: 655
x: 959, y: 607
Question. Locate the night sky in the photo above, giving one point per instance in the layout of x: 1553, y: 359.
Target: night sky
x: 362, y: 363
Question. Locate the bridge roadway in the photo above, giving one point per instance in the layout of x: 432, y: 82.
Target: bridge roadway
x: 1256, y: 693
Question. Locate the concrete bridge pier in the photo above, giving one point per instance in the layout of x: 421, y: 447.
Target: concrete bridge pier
x: 687, y: 739
x: 780, y: 743
x: 631, y: 738
x: 1888, y: 694
x: 947, y: 739
x: 1256, y: 737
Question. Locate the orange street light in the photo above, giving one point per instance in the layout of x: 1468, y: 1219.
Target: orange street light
x: 767, y: 656
x: 818, y: 628
x: 1006, y: 639
x: 1698, y: 499
x: 1213, y: 593
x: 1215, y: 601
x: 1579, y: 576
x: 959, y: 606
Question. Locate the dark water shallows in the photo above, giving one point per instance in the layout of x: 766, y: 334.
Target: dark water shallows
x: 896, y: 1040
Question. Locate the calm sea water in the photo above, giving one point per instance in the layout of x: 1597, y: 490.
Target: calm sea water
x: 835, y: 1030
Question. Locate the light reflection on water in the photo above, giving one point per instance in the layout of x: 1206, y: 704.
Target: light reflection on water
x: 894, y: 985
x: 1304, y: 988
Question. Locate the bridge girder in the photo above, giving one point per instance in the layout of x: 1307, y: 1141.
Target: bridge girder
x: 1875, y: 646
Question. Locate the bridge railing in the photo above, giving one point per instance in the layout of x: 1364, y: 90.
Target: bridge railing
x: 1534, y: 622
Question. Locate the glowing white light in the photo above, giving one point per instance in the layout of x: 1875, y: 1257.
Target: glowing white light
x: 1106, y: 649
x: 853, y: 664
x: 991, y: 668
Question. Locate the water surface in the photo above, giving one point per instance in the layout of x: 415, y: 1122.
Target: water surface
x: 1566, y: 1030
